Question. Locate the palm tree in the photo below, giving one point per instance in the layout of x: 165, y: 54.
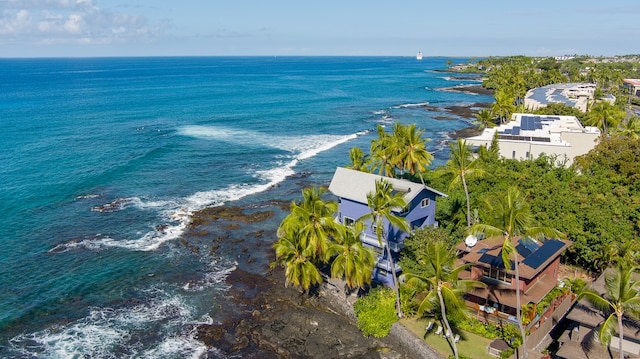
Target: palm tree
x: 382, y: 203
x: 461, y: 165
x: 485, y: 119
x: 510, y: 217
x: 381, y: 154
x: 358, y: 159
x: 439, y: 281
x: 410, y: 152
x: 354, y: 262
x: 503, y: 106
x: 296, y: 257
x: 630, y: 128
x: 313, y: 219
x: 621, y: 297
x: 603, y: 115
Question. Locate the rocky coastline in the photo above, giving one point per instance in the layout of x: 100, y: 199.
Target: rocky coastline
x: 271, y: 320
x: 282, y: 322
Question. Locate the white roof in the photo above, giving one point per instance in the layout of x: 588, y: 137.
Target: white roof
x: 355, y: 185
x: 546, y: 126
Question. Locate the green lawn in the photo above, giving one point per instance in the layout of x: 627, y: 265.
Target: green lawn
x: 470, y: 345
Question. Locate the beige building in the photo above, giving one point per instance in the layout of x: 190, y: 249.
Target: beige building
x: 528, y: 136
x: 632, y: 86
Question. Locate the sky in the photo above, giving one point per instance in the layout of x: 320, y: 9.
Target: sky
x: 463, y: 28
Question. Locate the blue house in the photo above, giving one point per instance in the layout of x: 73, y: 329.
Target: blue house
x: 351, y: 187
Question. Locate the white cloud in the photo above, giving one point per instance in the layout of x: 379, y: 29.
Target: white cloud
x: 69, y: 21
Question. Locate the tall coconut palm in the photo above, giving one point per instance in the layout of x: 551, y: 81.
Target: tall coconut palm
x: 439, y: 284
x: 509, y: 217
x: 503, y: 107
x: 461, y: 166
x: 382, y: 203
x: 297, y: 258
x: 381, y: 154
x: 621, y: 297
x: 313, y: 219
x: 410, y: 151
x: 359, y: 160
x: 353, y: 261
x: 604, y: 115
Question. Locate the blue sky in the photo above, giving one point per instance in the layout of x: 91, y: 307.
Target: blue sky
x: 52, y: 28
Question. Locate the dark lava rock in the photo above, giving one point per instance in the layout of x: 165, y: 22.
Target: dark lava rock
x: 212, y: 214
x: 280, y: 322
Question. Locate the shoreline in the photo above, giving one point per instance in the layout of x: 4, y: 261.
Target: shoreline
x: 471, y: 89
x: 281, y: 322
x: 269, y: 320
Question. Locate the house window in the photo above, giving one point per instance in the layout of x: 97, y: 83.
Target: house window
x: 425, y: 202
x: 526, y: 155
x: 513, y: 154
x: 497, y: 274
x: 349, y: 222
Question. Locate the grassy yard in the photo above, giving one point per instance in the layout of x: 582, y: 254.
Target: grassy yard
x: 470, y: 345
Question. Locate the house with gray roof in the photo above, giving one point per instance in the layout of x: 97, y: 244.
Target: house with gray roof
x: 576, y: 95
x: 351, y: 187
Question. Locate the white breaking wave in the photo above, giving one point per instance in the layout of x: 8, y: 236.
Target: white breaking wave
x: 115, y: 333
x: 177, y: 212
x: 214, y: 277
x: 409, y: 105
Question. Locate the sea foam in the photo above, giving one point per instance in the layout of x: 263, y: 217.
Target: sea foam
x: 176, y: 214
x: 114, y: 333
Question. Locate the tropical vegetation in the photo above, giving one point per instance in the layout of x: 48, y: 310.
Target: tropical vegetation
x: 595, y: 203
x: 382, y: 218
x: 437, y: 285
x: 376, y: 312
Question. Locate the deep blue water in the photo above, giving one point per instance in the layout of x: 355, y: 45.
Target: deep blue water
x: 104, y: 159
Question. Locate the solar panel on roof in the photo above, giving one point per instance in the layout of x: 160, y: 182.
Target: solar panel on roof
x: 548, y: 248
x: 527, y: 246
x: 516, y: 130
x: 494, y: 261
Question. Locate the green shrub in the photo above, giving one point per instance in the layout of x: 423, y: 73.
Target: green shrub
x: 376, y: 312
x: 409, y: 306
x: 486, y: 330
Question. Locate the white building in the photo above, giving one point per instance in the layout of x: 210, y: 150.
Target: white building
x: 528, y: 136
x: 576, y: 95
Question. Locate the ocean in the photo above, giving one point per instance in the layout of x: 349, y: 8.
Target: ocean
x: 104, y: 160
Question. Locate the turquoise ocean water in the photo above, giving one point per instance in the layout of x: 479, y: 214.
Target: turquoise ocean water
x: 103, y: 160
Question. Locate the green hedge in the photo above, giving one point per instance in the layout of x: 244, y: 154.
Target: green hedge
x: 376, y: 312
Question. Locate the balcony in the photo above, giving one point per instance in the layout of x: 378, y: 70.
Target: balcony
x: 373, y: 241
x: 385, y: 265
